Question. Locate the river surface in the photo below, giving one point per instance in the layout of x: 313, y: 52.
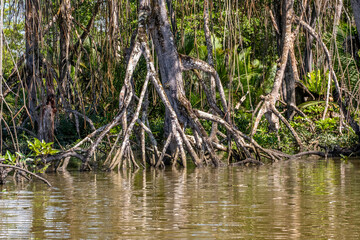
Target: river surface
x: 306, y: 199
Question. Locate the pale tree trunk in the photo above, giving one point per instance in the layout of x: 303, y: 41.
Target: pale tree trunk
x: 288, y: 85
x: 169, y: 63
x: 337, y: 18
x: 33, y: 78
x: 268, y: 107
x: 210, y: 60
x: 114, y: 33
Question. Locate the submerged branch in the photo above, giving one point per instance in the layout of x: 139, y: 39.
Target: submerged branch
x: 26, y: 171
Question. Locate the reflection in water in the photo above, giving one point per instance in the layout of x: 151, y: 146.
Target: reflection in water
x: 288, y: 200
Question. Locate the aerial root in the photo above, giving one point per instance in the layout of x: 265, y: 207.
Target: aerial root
x: 292, y: 130
x: 202, y: 148
x: 240, y: 138
x: 160, y: 162
x: 267, y: 108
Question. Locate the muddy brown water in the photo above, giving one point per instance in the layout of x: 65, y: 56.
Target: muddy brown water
x: 307, y: 199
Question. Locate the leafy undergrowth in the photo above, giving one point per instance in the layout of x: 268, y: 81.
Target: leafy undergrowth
x: 33, y: 159
x: 326, y: 134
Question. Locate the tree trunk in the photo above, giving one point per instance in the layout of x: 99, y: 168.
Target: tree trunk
x: 308, y: 55
x: 64, y: 25
x: 269, y: 102
x: 48, y: 109
x: 288, y: 85
x: 172, y: 14
x: 290, y: 89
x: 355, y: 4
x: 169, y: 63
x: 113, y: 26
x: 47, y: 118
x: 1, y: 79
x: 153, y: 20
x: 32, y: 34
x: 210, y: 60
x: 44, y: 120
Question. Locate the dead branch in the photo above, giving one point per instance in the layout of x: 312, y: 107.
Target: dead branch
x: 26, y: 171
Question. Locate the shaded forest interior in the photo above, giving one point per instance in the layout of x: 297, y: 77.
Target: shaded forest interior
x: 127, y: 84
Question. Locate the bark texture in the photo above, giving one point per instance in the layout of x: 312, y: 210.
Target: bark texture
x: 169, y: 62
x: 288, y: 85
x: 64, y: 23
x: 32, y: 34
x: 355, y: 4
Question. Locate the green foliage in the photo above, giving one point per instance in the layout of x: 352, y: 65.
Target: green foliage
x: 9, y: 158
x: 14, y: 35
x: 345, y: 65
x: 33, y: 160
x: 345, y: 158
x: 12, y: 159
x: 188, y: 45
x: 157, y: 127
x: 266, y: 138
x: 320, y: 133
x: 327, y: 131
x: 41, y: 148
x: 327, y: 124
x: 316, y: 82
x: 315, y: 109
x: 243, y: 121
x: 249, y: 76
